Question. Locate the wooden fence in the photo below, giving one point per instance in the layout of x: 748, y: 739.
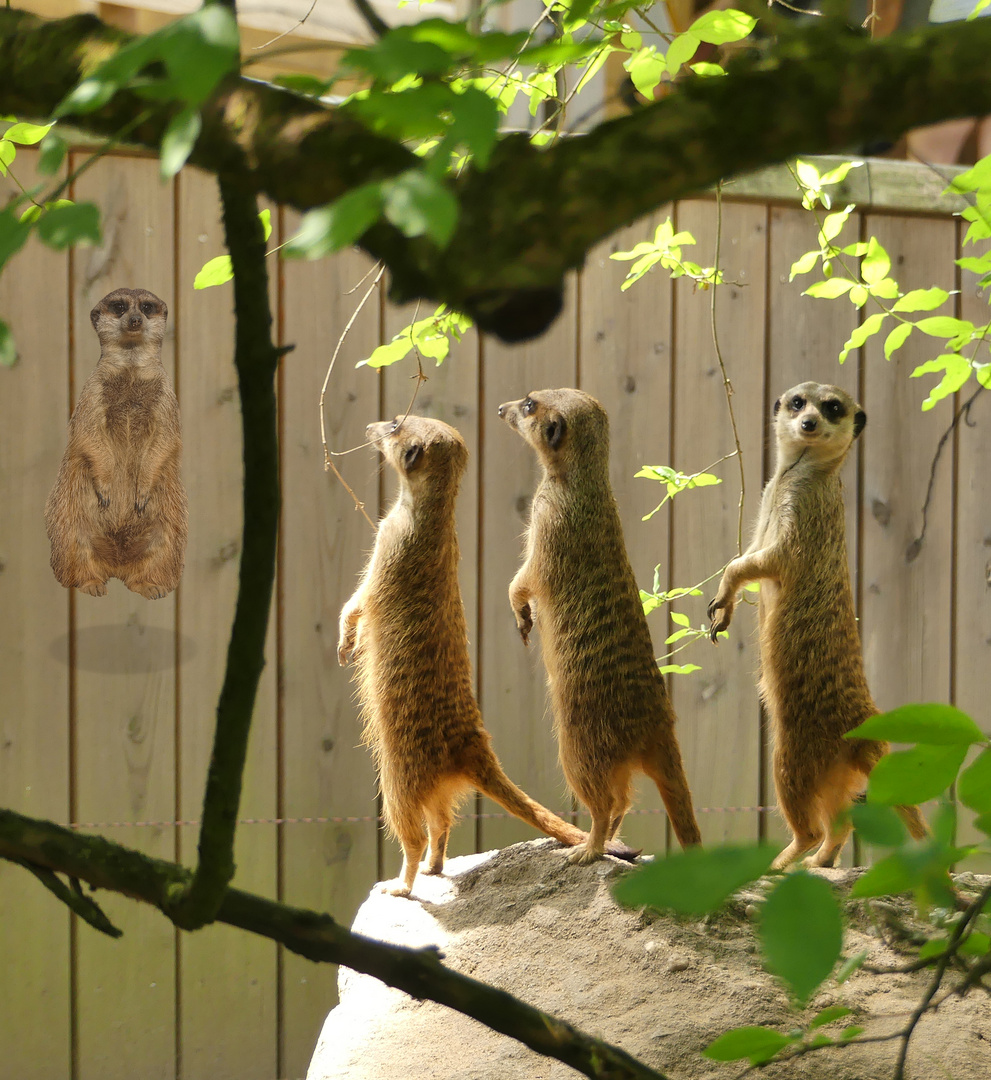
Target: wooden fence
x: 106, y: 705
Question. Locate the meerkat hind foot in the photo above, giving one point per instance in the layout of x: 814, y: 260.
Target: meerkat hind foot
x: 149, y: 590
x: 396, y: 887
x: 93, y: 587
x: 583, y: 855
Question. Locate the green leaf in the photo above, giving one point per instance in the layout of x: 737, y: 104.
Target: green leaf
x: 875, y: 264
x: 975, y: 944
x: 870, y: 326
x: 804, y: 264
x: 329, y: 228
x: 801, y: 929
x: 829, y: 1016
x: 759, y: 1044
x: 391, y: 353
x: 922, y: 300
x: 850, y: 1032
x: 719, y: 27
x: 833, y: 224
x: 694, y: 881
x: 475, y: 124
x: 830, y: 288
x: 683, y: 620
x: 199, y: 50
x: 178, y: 141
x: 933, y: 947
x: 646, y: 69
x: 859, y: 295
x: 897, y: 338
x: 956, y: 372
x: 978, y: 8
x: 265, y: 217
x: 983, y: 822
x: 418, y: 204
x: 935, y: 723
x: 679, y: 669
x: 52, y: 153
x: 8, y: 348
x: 681, y: 50
x: 878, y: 824
x: 808, y: 174
x: 707, y: 71
x: 839, y: 174
x: 7, y: 154
x: 914, y: 776
x: 13, y: 234
x: 974, y: 786
x: 944, y: 326
x: 27, y: 134
x: 850, y: 965
x: 902, y: 871
x: 64, y: 225
x: 215, y: 272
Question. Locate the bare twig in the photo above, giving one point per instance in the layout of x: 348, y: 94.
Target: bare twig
x: 73, y: 897
x: 292, y: 29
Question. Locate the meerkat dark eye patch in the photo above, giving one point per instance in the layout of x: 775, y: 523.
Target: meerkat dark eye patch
x: 118, y: 307
x: 554, y: 433
x: 148, y: 308
x: 797, y: 403
x: 833, y: 410
x: 859, y: 422
x: 528, y: 406
x: 411, y: 456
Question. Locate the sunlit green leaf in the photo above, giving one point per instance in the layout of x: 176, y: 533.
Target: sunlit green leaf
x: 646, y: 69
x: 759, y: 1044
x: 897, y: 338
x: 694, y: 881
x: 921, y: 300
x: 875, y: 264
x: 27, y: 134
x: 956, y: 371
x: 944, y: 326
x: 839, y: 174
x: 930, y: 723
x: 215, y: 272
x: 679, y: 669
x: 801, y: 929
x: 681, y: 50
x: 830, y: 288
x: 870, y: 326
x: 719, y: 27
x: 803, y: 264
x: 833, y: 224
x: 7, y: 154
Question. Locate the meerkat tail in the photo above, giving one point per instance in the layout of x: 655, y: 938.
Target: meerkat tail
x: 914, y: 821
x: 493, y: 782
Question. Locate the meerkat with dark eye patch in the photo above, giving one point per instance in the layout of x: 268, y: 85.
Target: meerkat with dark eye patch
x: 405, y: 627
x: 612, y: 714
x: 118, y: 507
x: 812, y: 678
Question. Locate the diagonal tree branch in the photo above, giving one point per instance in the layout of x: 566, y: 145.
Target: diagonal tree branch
x: 534, y: 214
x: 419, y: 972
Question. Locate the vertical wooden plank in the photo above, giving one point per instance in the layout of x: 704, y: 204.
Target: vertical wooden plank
x: 325, y: 770
x: 125, y: 682
x: 720, y: 727
x: 804, y: 338
x: 972, y: 554
x: 449, y: 394
x: 227, y: 991
x: 906, y: 601
x: 511, y: 677
x: 34, y: 652
x: 625, y: 343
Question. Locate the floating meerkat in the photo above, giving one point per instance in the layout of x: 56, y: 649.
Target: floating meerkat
x: 811, y: 669
x: 612, y: 714
x: 118, y: 508
x: 405, y: 626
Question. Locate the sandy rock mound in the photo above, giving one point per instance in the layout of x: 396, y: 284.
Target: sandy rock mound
x: 660, y: 988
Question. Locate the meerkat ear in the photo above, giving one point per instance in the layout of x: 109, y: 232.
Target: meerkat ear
x: 859, y: 422
x: 94, y: 316
x: 412, y: 456
x: 777, y: 405
x: 554, y: 432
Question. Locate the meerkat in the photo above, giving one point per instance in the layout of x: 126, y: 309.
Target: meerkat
x: 612, y: 713
x: 812, y: 678
x: 405, y: 628
x: 118, y: 507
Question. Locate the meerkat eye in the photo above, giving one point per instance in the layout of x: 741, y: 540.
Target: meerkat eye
x: 528, y: 406
x: 797, y: 402
x: 147, y: 308
x: 833, y: 410
x: 118, y: 307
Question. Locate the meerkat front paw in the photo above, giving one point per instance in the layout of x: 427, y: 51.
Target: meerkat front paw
x: 345, y: 647
x: 583, y: 855
x: 150, y: 590
x: 524, y: 623
x: 720, y: 612
x: 93, y: 587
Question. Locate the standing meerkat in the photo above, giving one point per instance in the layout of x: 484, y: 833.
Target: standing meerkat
x: 118, y: 508
x: 611, y: 709
x: 811, y: 670
x: 405, y: 626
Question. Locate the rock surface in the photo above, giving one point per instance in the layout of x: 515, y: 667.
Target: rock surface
x: 660, y: 988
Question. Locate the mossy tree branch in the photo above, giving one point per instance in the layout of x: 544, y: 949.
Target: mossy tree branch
x: 419, y: 972
x: 534, y: 214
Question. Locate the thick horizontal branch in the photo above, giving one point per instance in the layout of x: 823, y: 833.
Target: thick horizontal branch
x: 533, y: 215
x: 419, y: 972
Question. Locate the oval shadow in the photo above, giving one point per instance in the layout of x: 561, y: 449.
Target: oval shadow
x: 123, y: 649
